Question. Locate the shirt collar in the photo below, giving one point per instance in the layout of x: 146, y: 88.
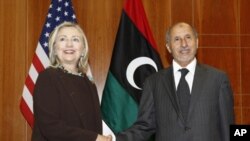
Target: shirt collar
x: 191, y: 66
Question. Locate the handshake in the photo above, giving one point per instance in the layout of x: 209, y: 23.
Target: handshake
x: 104, y: 138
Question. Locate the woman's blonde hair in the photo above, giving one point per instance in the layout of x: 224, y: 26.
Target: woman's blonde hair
x: 83, y: 62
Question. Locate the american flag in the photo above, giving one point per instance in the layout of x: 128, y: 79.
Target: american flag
x: 59, y: 11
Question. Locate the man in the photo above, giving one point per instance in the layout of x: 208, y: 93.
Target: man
x: 190, y: 104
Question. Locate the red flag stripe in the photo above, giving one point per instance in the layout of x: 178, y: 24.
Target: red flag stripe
x: 37, y: 63
x: 30, y: 84
x: 28, y: 115
x: 28, y: 98
x: 134, y: 9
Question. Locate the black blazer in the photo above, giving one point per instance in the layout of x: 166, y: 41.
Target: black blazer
x: 210, y: 113
x: 66, y: 108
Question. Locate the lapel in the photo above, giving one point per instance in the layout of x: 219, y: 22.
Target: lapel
x: 198, y: 86
x: 171, y: 91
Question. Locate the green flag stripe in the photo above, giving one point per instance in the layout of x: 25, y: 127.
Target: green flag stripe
x: 115, y: 113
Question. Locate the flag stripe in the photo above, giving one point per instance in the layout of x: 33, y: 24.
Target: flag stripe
x: 29, y: 85
x: 118, y: 98
x: 28, y: 115
x: 42, y: 54
x: 37, y: 63
x: 33, y: 73
x: 136, y: 12
x: 27, y: 97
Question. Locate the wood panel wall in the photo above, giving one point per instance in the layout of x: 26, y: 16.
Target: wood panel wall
x: 223, y: 27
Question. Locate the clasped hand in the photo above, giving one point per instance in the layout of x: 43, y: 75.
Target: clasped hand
x: 104, y: 138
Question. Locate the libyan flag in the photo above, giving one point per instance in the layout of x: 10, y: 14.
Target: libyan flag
x: 134, y: 58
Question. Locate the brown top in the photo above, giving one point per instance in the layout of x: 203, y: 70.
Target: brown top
x: 66, y: 107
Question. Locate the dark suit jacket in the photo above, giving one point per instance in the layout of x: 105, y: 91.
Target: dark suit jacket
x: 210, y: 112
x: 66, y: 108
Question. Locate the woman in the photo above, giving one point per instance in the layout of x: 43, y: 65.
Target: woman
x: 66, y: 104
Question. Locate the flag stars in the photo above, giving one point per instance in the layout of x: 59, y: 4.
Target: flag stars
x: 51, y: 6
x: 46, y: 34
x: 59, y: 9
x: 47, y: 25
x: 74, y: 16
x: 66, y: 13
x: 45, y: 44
x: 66, y: 4
x: 59, y: 0
x: 57, y: 18
x: 49, y: 15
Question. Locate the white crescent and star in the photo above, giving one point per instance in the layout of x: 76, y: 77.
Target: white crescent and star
x: 134, y: 64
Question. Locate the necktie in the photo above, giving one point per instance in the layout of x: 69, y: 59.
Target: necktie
x: 183, y: 93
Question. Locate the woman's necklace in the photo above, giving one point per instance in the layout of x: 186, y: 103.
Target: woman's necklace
x: 73, y: 73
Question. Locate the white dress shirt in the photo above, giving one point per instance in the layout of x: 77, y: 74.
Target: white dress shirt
x: 190, y: 75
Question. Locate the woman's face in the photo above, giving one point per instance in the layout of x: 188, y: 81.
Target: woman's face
x: 68, y: 46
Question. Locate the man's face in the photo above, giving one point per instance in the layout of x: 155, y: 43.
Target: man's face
x: 183, y: 44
